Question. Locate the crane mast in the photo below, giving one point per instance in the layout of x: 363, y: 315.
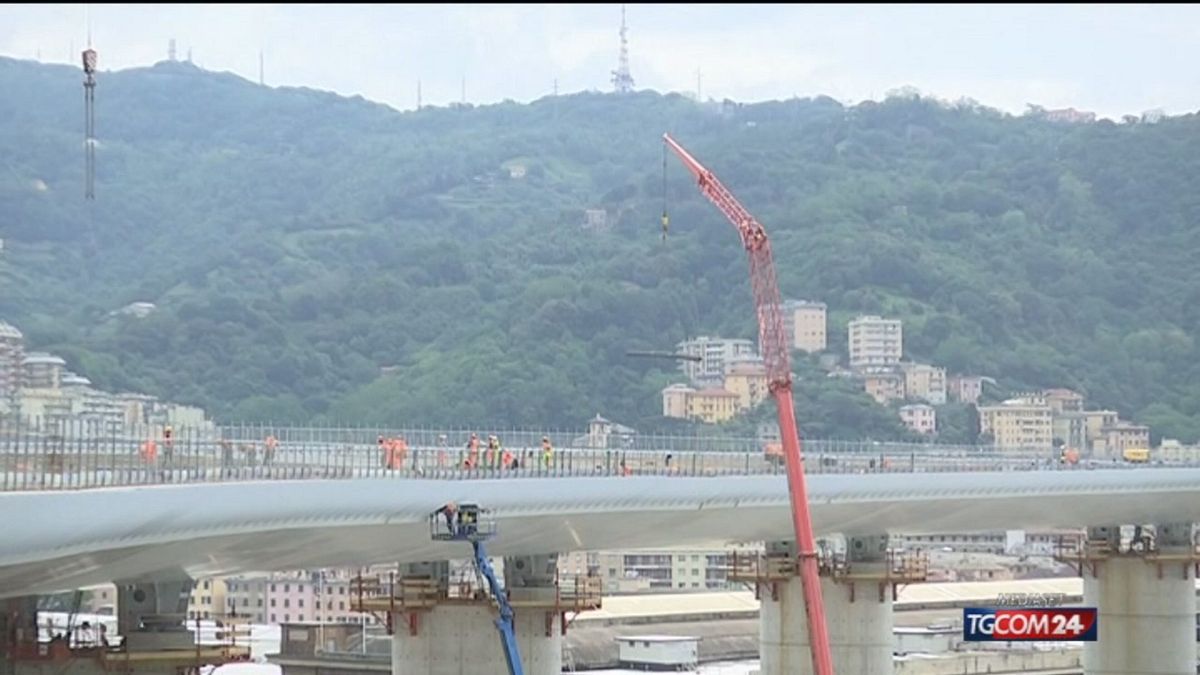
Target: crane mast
x: 772, y: 340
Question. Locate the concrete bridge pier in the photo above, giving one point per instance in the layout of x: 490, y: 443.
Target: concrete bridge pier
x: 151, y: 613
x: 1145, y: 593
x: 449, y: 628
x: 858, y: 589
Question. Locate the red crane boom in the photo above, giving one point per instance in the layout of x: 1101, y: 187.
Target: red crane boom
x: 772, y: 340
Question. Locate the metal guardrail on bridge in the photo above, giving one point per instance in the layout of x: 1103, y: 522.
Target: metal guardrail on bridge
x: 36, y: 460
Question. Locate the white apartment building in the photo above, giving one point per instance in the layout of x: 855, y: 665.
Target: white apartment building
x: 875, y: 342
x: 715, y: 355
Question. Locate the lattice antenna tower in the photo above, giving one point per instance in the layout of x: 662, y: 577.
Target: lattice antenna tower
x: 621, y: 79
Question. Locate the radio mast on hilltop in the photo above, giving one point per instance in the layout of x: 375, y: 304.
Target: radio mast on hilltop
x: 621, y: 79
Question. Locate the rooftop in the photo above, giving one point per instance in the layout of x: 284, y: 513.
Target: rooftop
x: 9, y: 331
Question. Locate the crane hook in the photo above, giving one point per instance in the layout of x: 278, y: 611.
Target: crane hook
x: 666, y: 220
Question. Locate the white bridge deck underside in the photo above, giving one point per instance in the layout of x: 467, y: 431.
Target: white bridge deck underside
x: 61, y: 540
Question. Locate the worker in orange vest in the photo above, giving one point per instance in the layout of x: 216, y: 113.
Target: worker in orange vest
x: 506, y: 459
x: 547, y: 452
x: 149, y: 451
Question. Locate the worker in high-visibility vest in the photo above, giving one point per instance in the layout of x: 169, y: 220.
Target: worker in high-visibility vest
x: 149, y: 451
x: 443, y: 442
x: 547, y: 452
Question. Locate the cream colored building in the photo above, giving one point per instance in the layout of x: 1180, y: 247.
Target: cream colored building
x: 875, y: 342
x: 884, y: 387
x: 1063, y: 400
x: 749, y: 382
x: 919, y: 417
x: 1094, y: 423
x: 924, y: 382
x: 707, y: 405
x: 805, y: 322
x: 207, y: 600
x: 12, y: 354
x: 1025, y: 422
x: 1124, y: 436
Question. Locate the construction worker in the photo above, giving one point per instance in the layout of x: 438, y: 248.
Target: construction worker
x: 443, y: 444
x: 168, y: 444
x: 547, y: 452
x: 449, y: 511
x: 493, y: 450
x: 506, y: 459
x: 473, y: 450
x: 149, y: 452
x: 269, y: 446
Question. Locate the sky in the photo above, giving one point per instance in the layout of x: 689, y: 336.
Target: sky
x: 1109, y: 59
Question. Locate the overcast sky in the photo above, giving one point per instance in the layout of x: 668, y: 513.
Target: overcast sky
x: 1111, y: 59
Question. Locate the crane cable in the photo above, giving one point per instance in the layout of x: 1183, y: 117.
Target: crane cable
x: 666, y: 220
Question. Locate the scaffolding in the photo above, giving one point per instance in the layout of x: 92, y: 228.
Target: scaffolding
x: 386, y: 597
x: 1086, y: 554
x: 766, y: 571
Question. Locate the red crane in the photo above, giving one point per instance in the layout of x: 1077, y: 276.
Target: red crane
x: 772, y: 340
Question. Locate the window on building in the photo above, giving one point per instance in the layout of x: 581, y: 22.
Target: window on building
x: 341, y: 606
x: 301, y: 601
x: 205, y: 585
x: 272, y: 588
x: 301, y: 617
x: 341, y: 590
x: 287, y: 618
x: 260, y: 602
x: 287, y: 588
x: 246, y: 602
x: 272, y: 618
x: 287, y: 602
x: 272, y: 602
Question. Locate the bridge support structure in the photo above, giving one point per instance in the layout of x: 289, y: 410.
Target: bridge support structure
x: 1144, y: 589
x: 859, y: 586
x: 444, y: 626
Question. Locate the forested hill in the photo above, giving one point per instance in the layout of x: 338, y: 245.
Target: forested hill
x: 297, y: 242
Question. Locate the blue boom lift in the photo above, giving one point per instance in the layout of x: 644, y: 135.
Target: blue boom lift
x: 461, y: 523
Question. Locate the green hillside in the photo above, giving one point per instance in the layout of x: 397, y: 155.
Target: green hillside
x: 297, y: 242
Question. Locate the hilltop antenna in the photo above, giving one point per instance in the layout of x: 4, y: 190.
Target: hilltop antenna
x: 621, y: 79
x: 89, y: 119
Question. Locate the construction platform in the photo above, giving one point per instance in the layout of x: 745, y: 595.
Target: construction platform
x: 768, y: 570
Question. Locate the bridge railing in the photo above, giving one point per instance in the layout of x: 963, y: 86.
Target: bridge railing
x: 33, y: 459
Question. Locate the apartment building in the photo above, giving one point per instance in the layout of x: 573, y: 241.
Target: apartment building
x: 712, y: 405
x: 919, y: 417
x: 805, y: 323
x: 642, y: 571
x: 884, y: 386
x: 12, y: 355
x: 246, y: 597
x: 1063, y: 400
x: 715, y: 355
x: 1095, y: 421
x: 875, y: 342
x: 923, y: 382
x: 208, y: 599
x: 1123, y: 436
x: 1023, y: 422
x: 965, y: 388
x: 749, y: 381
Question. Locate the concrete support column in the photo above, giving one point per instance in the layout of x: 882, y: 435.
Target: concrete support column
x: 1146, y: 602
x: 462, y: 638
x: 858, y: 611
x: 150, y: 614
